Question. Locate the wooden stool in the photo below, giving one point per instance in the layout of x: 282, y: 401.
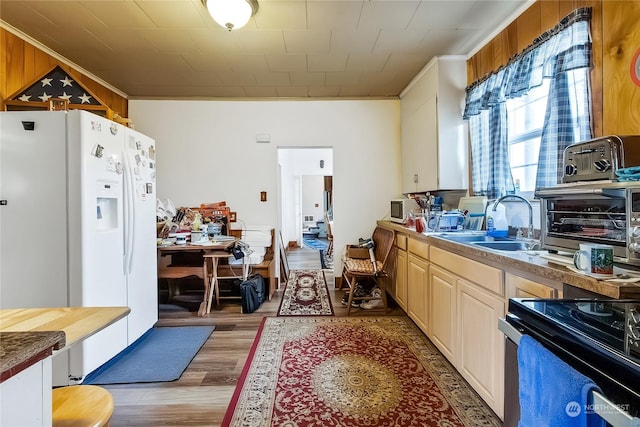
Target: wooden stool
x: 82, y: 406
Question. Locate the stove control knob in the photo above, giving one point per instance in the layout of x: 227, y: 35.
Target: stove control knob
x: 602, y: 165
x: 570, y: 169
x: 634, y: 233
x: 634, y: 247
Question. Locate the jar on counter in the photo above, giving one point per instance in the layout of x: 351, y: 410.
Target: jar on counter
x: 410, y: 221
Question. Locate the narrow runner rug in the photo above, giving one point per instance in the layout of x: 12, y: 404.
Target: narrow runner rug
x: 306, y: 294
x: 350, y: 371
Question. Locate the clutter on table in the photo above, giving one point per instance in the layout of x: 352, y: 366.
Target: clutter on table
x: 194, y: 225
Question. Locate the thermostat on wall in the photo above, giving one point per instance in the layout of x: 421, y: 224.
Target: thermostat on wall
x: 263, y: 138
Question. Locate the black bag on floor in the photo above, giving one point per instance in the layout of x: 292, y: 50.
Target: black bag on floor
x: 252, y: 291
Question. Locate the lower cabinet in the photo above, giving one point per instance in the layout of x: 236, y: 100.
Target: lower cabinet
x: 442, y: 311
x: 480, y: 357
x: 398, y: 280
x: 401, y: 279
x: 417, y: 291
x: 465, y: 302
x: 456, y: 302
x: 27, y: 397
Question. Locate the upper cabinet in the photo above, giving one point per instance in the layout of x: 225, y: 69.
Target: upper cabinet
x: 434, y: 136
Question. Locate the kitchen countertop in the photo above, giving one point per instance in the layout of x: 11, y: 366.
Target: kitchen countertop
x: 529, y: 262
x: 19, y: 350
x: 28, y: 335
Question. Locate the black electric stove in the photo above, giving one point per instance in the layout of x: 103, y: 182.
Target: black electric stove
x: 600, y: 338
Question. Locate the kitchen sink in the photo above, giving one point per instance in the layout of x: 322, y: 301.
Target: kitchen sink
x: 490, y: 242
x: 474, y: 238
x: 504, y: 245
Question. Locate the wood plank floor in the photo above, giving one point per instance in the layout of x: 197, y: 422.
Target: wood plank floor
x: 201, y: 396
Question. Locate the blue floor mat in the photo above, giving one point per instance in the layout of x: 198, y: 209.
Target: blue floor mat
x: 160, y: 355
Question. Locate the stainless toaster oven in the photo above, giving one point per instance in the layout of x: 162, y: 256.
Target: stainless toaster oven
x: 598, y: 159
x: 598, y: 212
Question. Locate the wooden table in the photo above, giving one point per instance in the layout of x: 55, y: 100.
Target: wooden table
x: 211, y: 254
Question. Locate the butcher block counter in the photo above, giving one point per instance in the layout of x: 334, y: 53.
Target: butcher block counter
x: 22, y: 328
x: 28, y: 339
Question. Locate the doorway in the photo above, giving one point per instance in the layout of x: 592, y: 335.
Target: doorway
x: 305, y: 194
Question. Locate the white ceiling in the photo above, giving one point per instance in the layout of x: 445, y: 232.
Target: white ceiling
x: 290, y: 48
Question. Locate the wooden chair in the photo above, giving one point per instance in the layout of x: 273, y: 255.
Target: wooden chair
x: 329, y: 235
x: 355, y: 269
x: 81, y: 406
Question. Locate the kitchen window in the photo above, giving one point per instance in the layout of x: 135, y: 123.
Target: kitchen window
x: 526, y: 116
x: 522, y: 116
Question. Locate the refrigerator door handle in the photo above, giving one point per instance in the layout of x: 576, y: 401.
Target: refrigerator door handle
x: 129, y: 213
x: 132, y: 218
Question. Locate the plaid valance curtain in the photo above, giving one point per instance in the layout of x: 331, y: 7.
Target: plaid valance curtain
x: 554, y: 55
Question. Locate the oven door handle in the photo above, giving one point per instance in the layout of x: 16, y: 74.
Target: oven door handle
x: 555, y: 191
x: 612, y: 413
x: 606, y: 409
x: 509, y: 331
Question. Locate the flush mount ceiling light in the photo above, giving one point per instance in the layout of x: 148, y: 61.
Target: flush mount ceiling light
x: 231, y: 14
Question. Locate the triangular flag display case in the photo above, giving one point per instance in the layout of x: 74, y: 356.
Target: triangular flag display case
x: 57, y: 90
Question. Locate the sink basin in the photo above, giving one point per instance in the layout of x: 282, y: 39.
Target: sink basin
x: 473, y: 238
x: 490, y: 242
x: 504, y: 245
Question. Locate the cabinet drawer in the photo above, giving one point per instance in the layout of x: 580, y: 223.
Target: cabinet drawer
x: 488, y: 277
x: 519, y: 287
x: 419, y: 248
x: 401, y: 241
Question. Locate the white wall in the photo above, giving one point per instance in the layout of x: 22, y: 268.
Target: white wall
x: 207, y: 152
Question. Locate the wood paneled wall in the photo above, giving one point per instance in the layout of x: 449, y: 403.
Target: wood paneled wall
x: 621, y: 96
x: 615, y: 32
x: 21, y: 63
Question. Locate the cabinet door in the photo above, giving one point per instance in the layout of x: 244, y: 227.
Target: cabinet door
x: 519, y: 287
x: 420, y: 148
x: 27, y: 397
x: 480, y: 343
x: 417, y: 291
x: 401, y: 279
x: 442, y: 312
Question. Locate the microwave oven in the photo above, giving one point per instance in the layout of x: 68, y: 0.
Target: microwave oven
x: 401, y: 208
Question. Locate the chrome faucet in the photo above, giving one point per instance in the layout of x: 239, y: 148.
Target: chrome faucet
x: 515, y: 196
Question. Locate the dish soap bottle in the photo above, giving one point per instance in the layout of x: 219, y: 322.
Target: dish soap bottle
x: 195, y: 225
x: 497, y: 225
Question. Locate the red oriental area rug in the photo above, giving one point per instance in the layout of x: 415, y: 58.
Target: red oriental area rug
x: 350, y: 371
x: 306, y: 294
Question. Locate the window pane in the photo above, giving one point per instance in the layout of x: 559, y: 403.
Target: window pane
x: 526, y: 118
x: 517, y: 155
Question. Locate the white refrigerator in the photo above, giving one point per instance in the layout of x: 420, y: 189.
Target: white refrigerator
x: 77, y: 225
